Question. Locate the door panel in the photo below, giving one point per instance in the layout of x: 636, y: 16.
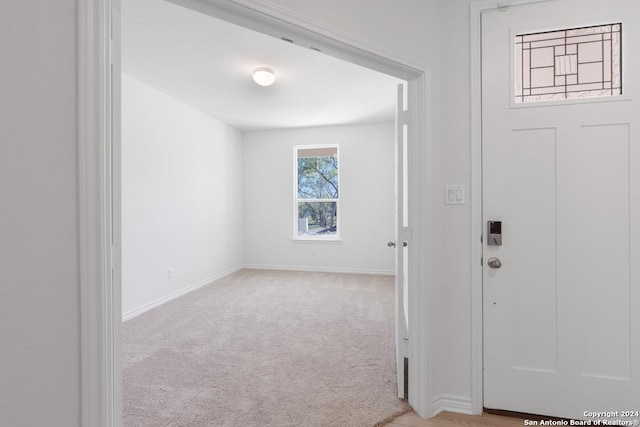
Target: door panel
x: 401, y: 239
x: 534, y: 209
x: 561, y: 335
x: 598, y: 260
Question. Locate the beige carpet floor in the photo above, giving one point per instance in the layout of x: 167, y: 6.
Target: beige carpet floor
x: 266, y: 348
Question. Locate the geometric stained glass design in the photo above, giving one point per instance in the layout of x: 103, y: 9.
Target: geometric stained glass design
x: 568, y: 64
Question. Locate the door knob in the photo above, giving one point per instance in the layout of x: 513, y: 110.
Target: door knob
x: 494, y: 262
x: 391, y: 244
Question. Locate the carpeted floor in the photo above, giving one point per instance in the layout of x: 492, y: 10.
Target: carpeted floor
x: 266, y: 348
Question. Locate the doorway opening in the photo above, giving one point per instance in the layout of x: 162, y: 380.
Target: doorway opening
x: 165, y: 80
x: 99, y: 128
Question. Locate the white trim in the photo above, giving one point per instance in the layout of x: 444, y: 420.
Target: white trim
x: 116, y: 209
x: 165, y: 299
x: 421, y: 250
x: 319, y: 269
x: 296, y: 201
x: 383, y: 56
x: 98, y: 345
x: 94, y: 214
x: 452, y: 403
x: 275, y: 20
x: 476, y: 11
x: 315, y: 239
x: 337, y: 240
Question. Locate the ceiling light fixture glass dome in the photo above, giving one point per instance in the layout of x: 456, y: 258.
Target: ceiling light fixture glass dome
x: 264, y: 76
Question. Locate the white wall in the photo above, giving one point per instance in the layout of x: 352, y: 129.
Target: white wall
x: 39, y: 287
x: 39, y: 374
x: 366, y: 201
x: 181, y: 196
x: 453, y: 357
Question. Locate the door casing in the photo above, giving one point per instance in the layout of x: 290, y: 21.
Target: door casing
x: 100, y: 312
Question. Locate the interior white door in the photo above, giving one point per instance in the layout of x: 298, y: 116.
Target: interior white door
x: 561, y: 317
x: 401, y: 242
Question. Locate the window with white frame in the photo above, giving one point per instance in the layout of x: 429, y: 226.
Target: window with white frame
x: 317, y: 192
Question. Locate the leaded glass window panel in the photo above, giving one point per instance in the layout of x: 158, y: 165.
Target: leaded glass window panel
x: 568, y: 64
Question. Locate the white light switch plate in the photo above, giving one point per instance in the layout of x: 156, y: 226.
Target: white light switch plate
x: 454, y: 194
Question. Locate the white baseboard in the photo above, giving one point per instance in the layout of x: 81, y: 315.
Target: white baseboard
x: 319, y: 269
x: 452, y: 403
x: 138, y: 311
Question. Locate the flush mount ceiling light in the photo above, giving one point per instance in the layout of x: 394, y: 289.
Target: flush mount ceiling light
x: 264, y: 76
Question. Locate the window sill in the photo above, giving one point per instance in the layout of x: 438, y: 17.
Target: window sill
x: 315, y: 239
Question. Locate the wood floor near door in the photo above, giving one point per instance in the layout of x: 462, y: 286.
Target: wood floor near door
x: 448, y: 419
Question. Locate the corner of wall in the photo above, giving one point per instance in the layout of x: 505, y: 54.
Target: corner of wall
x: 165, y: 299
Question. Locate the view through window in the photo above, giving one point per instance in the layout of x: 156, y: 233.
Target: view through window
x: 317, y: 192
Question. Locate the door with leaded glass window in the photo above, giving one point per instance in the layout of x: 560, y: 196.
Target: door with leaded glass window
x: 561, y: 204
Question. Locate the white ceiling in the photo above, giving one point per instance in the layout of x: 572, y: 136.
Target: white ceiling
x: 207, y: 63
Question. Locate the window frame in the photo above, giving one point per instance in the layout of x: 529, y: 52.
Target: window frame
x: 296, y: 200
x: 625, y: 82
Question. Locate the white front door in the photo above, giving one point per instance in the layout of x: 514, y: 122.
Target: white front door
x: 561, y: 180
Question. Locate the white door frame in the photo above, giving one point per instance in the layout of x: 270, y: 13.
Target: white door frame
x: 477, y: 8
x: 99, y: 294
